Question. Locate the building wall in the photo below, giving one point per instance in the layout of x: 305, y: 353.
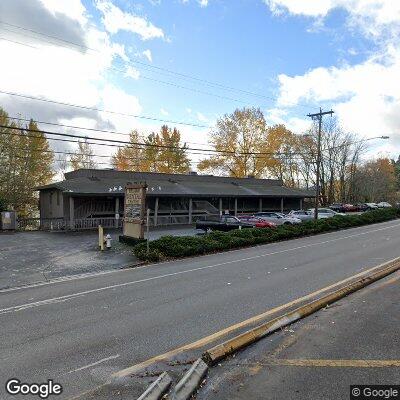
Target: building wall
x: 51, y: 203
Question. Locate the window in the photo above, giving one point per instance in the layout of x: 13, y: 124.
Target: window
x: 58, y: 198
x: 51, y: 198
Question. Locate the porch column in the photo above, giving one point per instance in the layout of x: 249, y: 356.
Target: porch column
x: 190, y: 210
x: 116, y: 211
x: 155, y: 211
x: 220, y: 206
x: 301, y: 204
x: 281, y: 204
x: 235, y: 206
x: 71, y: 213
x: 260, y: 205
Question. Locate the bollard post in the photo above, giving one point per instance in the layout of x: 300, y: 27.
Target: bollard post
x: 147, y: 230
x: 101, y: 238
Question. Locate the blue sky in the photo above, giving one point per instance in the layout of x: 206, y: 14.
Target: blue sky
x: 297, y: 55
x: 230, y: 43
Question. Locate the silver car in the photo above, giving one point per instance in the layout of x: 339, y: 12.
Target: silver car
x: 278, y: 218
x: 384, y: 204
x: 304, y: 215
x: 324, y: 213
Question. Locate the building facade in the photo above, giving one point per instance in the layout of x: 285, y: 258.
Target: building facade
x: 87, y: 197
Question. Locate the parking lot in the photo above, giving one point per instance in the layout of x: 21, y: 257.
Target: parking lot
x: 27, y: 257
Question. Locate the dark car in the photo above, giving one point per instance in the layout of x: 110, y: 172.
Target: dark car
x: 338, y: 207
x: 366, y: 206
x: 343, y: 207
x: 224, y: 223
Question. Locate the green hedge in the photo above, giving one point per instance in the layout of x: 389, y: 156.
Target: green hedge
x: 184, y: 246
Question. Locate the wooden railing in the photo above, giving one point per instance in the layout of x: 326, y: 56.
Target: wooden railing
x: 93, y: 223
x: 59, y: 224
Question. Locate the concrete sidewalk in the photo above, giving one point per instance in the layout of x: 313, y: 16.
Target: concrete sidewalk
x: 352, y: 342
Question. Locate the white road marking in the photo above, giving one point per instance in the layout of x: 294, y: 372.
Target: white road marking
x: 101, y: 289
x: 93, y: 364
x: 128, y: 269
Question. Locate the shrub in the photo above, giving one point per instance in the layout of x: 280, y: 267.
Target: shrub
x: 184, y: 246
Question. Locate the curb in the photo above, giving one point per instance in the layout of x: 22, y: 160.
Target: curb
x: 156, y: 390
x: 230, y: 346
x: 190, y: 381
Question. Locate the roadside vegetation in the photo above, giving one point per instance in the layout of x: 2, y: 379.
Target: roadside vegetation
x: 169, y: 247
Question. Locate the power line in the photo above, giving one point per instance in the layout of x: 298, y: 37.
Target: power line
x: 102, y: 110
x: 16, y: 42
x: 78, y: 141
x: 81, y: 127
x: 152, y: 66
x: 203, y: 151
x: 83, y: 154
x: 147, y: 77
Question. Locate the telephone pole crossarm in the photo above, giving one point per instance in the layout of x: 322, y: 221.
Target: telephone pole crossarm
x: 318, y: 117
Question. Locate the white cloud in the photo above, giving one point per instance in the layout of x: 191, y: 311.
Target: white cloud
x: 297, y: 125
x: 313, y: 8
x: 203, y: 3
x: 65, y: 74
x: 201, y: 117
x: 72, y: 8
x: 365, y: 96
x: 116, y: 20
x: 148, y: 55
x: 164, y: 112
x: 132, y: 72
x: 371, y: 16
x: 115, y: 99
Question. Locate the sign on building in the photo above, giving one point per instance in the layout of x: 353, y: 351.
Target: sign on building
x: 134, y: 211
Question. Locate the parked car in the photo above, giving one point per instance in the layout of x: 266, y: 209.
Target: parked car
x: 325, y: 213
x: 366, y: 206
x: 224, y: 223
x: 384, y: 204
x: 256, y: 221
x: 278, y: 218
x: 338, y: 207
x: 343, y: 207
x: 301, y: 214
x: 349, y: 208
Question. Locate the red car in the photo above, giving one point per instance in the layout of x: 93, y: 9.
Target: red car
x: 256, y: 221
x: 349, y: 208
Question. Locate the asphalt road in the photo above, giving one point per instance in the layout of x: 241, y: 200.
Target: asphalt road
x: 352, y: 342
x: 80, y: 331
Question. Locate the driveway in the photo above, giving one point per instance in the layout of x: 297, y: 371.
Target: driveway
x: 27, y: 257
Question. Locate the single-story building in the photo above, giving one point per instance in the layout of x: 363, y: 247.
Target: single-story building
x: 87, y: 197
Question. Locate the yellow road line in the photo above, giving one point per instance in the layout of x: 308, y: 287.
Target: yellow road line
x: 332, y: 363
x: 217, y: 335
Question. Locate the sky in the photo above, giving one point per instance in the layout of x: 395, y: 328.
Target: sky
x: 192, y: 61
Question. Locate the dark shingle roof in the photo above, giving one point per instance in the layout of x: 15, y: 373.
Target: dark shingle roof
x: 111, y: 182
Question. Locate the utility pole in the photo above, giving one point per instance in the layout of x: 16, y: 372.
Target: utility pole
x: 318, y: 117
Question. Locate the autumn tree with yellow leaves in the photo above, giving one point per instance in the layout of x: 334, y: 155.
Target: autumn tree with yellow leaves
x: 236, y: 139
x: 158, y: 152
x: 25, y: 163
